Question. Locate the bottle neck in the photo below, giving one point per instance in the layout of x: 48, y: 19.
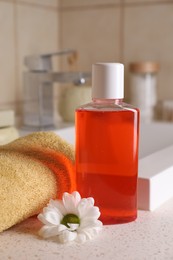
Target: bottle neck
x: 107, y: 101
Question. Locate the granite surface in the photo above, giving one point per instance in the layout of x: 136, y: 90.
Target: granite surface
x: 150, y: 237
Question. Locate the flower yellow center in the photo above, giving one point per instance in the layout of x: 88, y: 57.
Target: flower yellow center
x: 70, y: 218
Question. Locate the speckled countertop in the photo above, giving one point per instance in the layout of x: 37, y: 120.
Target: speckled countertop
x: 150, y: 237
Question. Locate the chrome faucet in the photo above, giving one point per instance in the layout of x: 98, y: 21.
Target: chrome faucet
x: 38, y: 108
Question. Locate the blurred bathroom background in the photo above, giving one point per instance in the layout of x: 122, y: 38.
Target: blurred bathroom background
x: 99, y: 30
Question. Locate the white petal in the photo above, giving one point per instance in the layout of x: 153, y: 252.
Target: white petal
x: 47, y: 209
x: 42, y: 219
x: 69, y: 203
x: 89, y: 233
x: 58, y: 205
x: 93, y: 212
x: 77, y: 198
x: 72, y: 226
x: 90, y: 201
x: 86, y: 209
x: 89, y: 223
x: 62, y: 227
x: 88, y: 229
x: 51, y: 231
x: 67, y: 236
x: 49, y: 217
x: 83, y: 207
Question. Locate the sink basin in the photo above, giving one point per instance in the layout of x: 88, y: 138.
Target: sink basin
x: 154, y: 137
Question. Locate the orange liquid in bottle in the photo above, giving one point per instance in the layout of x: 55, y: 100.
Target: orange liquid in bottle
x: 107, y: 161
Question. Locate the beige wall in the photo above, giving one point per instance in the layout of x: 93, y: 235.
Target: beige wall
x: 26, y: 27
x: 122, y: 31
x: 100, y: 30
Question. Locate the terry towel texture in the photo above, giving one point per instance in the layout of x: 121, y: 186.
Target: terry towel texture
x: 33, y: 169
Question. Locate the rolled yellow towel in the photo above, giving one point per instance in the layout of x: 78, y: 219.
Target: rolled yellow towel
x: 33, y: 169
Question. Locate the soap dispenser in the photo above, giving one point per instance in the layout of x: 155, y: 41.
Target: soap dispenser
x: 107, y: 134
x: 71, y: 97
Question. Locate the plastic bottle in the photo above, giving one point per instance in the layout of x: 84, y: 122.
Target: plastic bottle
x: 107, y: 133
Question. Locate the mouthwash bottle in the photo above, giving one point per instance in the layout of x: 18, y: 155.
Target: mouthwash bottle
x: 107, y: 134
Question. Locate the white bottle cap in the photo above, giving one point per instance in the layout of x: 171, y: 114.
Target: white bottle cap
x: 108, y: 81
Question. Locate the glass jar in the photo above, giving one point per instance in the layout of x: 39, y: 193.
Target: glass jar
x: 143, y: 88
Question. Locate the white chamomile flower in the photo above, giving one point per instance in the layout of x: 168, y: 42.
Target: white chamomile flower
x: 71, y: 219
